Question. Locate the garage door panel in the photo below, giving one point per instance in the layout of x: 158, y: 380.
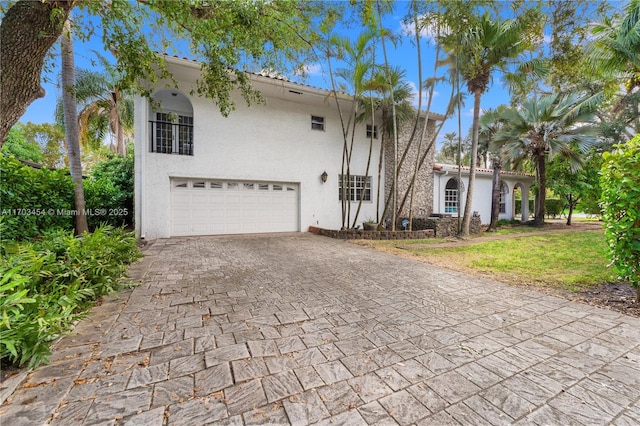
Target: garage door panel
x: 207, y: 207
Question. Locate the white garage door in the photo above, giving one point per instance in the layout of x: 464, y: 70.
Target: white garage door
x: 210, y: 207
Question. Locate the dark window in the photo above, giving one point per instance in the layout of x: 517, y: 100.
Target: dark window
x: 369, y: 131
x: 317, y: 123
x: 172, y: 134
x: 355, y: 187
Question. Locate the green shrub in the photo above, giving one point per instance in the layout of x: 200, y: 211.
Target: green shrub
x: 48, y: 284
x: 553, y: 207
x: 620, y: 183
x: 33, y: 199
x: 119, y: 171
x: 519, y: 206
x: 105, y: 202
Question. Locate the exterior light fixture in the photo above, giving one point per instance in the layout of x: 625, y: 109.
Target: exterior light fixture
x: 324, y: 176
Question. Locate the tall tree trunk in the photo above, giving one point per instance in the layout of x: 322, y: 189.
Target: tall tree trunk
x: 380, y: 161
x: 394, y: 189
x: 366, y: 173
x: 121, y: 150
x: 28, y: 30
x: 495, y: 194
x: 70, y: 109
x: 571, y: 204
x: 466, y: 219
x: 541, y: 168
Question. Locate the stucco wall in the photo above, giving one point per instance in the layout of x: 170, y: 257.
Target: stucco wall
x: 272, y: 142
x: 481, y: 193
x: 423, y: 196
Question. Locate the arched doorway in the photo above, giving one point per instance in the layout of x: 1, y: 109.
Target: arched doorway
x: 520, y: 202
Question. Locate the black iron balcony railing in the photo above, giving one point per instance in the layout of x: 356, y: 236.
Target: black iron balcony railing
x: 171, y: 138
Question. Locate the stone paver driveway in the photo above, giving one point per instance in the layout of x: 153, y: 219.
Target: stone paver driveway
x: 301, y: 329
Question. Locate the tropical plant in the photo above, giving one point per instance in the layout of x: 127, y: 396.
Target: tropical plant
x: 542, y: 128
x: 448, y: 151
x: 490, y: 124
x: 70, y: 109
x: 47, y: 285
x: 105, y: 109
x: 614, y: 55
x: 390, y: 84
x: 488, y: 44
x: 620, y: 194
x: 358, y: 58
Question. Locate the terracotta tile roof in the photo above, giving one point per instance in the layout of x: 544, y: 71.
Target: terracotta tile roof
x: 438, y: 167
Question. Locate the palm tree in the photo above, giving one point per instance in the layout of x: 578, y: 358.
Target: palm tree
x: 71, y: 126
x: 490, y: 124
x: 615, y: 53
x: 540, y: 129
x: 105, y: 109
x: 449, y: 149
x: 617, y: 43
x: 487, y: 45
x: 394, y: 95
x: 358, y: 57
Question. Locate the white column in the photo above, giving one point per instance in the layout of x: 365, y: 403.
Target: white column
x: 524, y: 206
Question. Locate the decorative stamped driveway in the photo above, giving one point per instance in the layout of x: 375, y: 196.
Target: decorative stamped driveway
x: 301, y: 329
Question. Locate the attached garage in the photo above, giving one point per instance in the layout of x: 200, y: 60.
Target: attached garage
x: 212, y: 207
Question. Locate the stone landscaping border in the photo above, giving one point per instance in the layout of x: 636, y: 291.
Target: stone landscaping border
x: 358, y: 234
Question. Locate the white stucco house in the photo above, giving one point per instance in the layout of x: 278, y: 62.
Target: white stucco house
x: 270, y: 167
x: 445, y: 192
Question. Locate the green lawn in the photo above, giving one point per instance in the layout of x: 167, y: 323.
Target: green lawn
x: 568, y: 260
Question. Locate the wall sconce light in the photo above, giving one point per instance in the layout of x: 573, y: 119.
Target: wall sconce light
x: 324, y: 176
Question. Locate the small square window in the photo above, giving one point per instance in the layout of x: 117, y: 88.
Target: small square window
x: 372, y: 129
x: 317, y: 123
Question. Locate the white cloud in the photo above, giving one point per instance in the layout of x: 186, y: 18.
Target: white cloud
x: 311, y: 70
x: 469, y: 113
x: 425, y: 95
x: 428, y: 31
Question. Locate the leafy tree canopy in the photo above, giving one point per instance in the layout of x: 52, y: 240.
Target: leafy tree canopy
x: 21, y: 148
x: 228, y: 37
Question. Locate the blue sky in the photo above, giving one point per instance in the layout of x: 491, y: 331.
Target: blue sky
x: 403, y: 54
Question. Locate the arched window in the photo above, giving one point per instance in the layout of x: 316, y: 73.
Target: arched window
x: 504, y: 191
x: 172, y: 123
x: 451, y: 196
